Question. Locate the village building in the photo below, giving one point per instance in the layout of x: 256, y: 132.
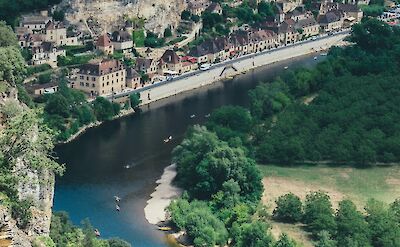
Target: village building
x: 172, y: 61
x: 41, y: 89
x: 30, y: 40
x: 132, y: 78
x: 101, y: 77
x: 215, y: 8
x: 104, y: 45
x: 146, y: 65
x: 122, y: 41
x: 35, y: 23
x: 46, y: 53
x: 197, y: 7
x: 307, y: 27
x: 330, y: 21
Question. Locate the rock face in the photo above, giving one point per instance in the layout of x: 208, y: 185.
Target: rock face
x: 37, y: 186
x: 107, y: 14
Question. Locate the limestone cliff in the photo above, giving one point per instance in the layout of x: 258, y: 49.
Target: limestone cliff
x: 106, y: 14
x: 35, y: 185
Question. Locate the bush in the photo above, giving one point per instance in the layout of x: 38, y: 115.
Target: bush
x: 135, y: 100
x: 288, y: 208
x: 21, y: 211
x: 318, y: 213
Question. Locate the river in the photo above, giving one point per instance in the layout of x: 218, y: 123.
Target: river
x: 96, y: 161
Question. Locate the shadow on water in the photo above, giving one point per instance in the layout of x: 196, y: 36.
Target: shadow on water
x: 96, y: 161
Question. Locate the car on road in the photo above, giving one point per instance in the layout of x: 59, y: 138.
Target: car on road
x: 205, y: 66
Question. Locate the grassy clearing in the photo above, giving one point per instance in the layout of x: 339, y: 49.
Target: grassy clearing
x: 359, y: 185
x: 381, y: 183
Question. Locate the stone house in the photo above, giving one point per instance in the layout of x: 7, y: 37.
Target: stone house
x: 46, y: 53
x: 40, y: 89
x: 122, y: 41
x: 35, y: 23
x: 172, y: 61
x: 104, y: 45
x: 309, y: 27
x: 101, y: 77
x: 215, y: 8
x: 146, y: 65
x: 197, y: 7
x: 132, y: 78
x: 330, y: 21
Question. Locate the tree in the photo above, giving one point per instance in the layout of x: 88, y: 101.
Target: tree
x: 185, y: 15
x: 395, y: 208
x: 285, y: 241
x: 135, y: 100
x: 204, y: 163
x: 116, y: 242
x: 352, y: 229
x: 254, y: 234
x: 265, y: 9
x: 385, y: 230
x: 202, y: 227
x: 318, y: 213
x: 325, y: 240
x: 12, y: 65
x: 288, y: 208
x: 103, y: 109
x: 57, y: 104
x: 59, y: 15
x: 7, y: 36
x: 167, y: 32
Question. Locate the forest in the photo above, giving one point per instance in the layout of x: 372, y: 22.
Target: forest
x: 353, y: 117
x: 343, y: 111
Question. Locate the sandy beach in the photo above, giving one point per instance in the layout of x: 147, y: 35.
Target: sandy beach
x: 164, y: 193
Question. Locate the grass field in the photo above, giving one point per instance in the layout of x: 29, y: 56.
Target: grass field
x: 359, y: 185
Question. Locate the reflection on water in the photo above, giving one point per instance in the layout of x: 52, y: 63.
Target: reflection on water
x: 125, y: 157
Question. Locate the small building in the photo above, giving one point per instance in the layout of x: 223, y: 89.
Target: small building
x: 40, y: 89
x: 46, y: 53
x: 122, y: 41
x: 307, y: 27
x: 330, y: 21
x: 172, y: 61
x: 101, y: 77
x: 197, y: 7
x: 35, y: 23
x: 132, y: 78
x: 214, y: 8
x: 146, y: 65
x: 30, y: 40
x: 104, y: 44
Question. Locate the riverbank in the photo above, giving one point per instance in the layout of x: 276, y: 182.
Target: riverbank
x: 223, y: 71
x: 160, y: 199
x: 83, y: 129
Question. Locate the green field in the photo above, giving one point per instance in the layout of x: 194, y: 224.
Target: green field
x: 381, y: 183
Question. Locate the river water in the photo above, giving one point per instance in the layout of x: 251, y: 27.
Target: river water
x: 97, y: 160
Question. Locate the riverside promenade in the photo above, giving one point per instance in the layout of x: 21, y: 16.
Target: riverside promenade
x: 230, y: 68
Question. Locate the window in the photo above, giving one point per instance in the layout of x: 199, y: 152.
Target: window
x: 93, y: 85
x: 82, y: 84
x: 108, y: 83
x: 87, y: 78
x: 93, y: 78
x: 117, y: 74
x: 87, y: 84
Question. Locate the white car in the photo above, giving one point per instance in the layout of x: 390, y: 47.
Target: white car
x: 205, y: 66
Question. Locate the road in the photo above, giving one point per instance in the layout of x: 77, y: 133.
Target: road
x: 198, y: 78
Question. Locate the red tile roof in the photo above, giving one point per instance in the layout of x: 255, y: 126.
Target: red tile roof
x: 103, y: 41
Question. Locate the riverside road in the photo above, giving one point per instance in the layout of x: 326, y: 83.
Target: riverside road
x: 228, y: 68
